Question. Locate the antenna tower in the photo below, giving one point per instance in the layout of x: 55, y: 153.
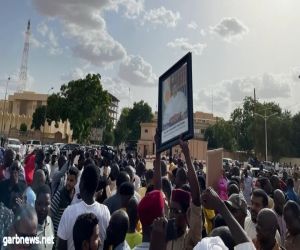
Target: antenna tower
x: 24, y: 62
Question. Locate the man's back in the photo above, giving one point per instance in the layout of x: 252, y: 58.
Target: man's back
x: 65, y: 228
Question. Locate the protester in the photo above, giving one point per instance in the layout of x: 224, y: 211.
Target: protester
x: 222, y: 186
x: 88, y: 185
x: 86, y: 232
x: 6, y: 218
x: 115, y: 202
x: 149, y: 208
x: 290, y: 193
x: 7, y: 185
x: 279, y: 201
x: 266, y: 230
x: 133, y: 237
x: 63, y: 198
x: 119, y: 222
x: 25, y: 224
x: 180, y: 204
x: 238, y: 207
x: 259, y: 200
x: 291, y: 213
x: 45, y: 225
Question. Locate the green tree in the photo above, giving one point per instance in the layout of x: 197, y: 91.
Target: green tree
x: 121, y: 131
x: 38, y: 118
x: 242, y: 121
x: 220, y: 135
x: 23, y: 128
x: 83, y: 103
x: 108, y: 134
x: 128, y: 128
x: 295, y: 134
x: 141, y: 112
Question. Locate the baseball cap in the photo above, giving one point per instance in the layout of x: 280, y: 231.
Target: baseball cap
x: 237, y: 201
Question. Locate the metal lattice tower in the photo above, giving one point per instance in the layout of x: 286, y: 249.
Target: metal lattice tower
x: 24, y: 62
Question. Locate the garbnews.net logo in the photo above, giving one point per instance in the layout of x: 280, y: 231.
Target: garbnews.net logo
x: 17, y: 240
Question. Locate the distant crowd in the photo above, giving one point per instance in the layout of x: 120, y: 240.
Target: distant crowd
x: 103, y: 199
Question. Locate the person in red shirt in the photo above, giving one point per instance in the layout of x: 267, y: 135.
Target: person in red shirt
x: 29, y: 167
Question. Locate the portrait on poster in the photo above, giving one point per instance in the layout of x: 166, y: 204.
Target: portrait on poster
x: 175, y: 115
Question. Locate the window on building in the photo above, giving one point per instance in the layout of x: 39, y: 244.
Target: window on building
x: 146, y: 131
x: 202, y: 131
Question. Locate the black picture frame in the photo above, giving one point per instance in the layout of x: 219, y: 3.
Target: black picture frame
x: 176, y: 80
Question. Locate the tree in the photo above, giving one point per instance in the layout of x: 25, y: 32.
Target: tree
x: 141, y: 112
x: 121, y: 131
x: 128, y: 128
x: 23, y: 128
x: 220, y: 135
x: 38, y: 117
x: 108, y: 134
x: 83, y: 103
x: 295, y: 134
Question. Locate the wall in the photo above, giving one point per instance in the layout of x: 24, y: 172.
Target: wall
x: 292, y: 160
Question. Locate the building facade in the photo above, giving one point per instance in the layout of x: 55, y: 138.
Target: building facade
x: 20, y: 107
x: 197, y: 146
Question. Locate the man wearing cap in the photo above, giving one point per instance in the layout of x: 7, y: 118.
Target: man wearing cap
x: 185, y: 210
x: 238, y: 207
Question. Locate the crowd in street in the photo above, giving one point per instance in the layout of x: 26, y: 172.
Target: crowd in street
x: 107, y: 200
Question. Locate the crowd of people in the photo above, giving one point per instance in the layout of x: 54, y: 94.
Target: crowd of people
x: 104, y: 200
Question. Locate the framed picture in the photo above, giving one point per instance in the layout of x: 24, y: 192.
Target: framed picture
x: 175, y: 104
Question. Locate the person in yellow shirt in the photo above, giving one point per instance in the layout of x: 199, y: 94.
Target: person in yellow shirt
x: 133, y: 236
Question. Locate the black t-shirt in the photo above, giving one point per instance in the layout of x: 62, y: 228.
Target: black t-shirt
x: 6, y: 190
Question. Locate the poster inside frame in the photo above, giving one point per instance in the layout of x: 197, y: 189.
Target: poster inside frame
x: 175, y: 104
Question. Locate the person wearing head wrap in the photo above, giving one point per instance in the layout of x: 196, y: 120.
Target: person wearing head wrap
x: 185, y: 210
x: 150, y: 208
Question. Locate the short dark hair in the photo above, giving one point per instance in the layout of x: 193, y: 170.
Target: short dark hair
x: 127, y: 188
x: 88, y: 161
x: 129, y: 171
x: 262, y: 194
x: 122, y: 177
x: 149, y: 175
x: 83, y: 229
x: 293, y: 207
x: 44, y: 189
x: 90, y: 178
x: 73, y: 171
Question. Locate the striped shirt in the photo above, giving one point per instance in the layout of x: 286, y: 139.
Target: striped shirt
x: 60, y: 201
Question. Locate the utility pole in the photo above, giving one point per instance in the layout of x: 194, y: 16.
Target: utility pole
x: 265, y: 117
x: 24, y: 62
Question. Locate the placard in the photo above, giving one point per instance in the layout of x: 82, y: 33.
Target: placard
x: 175, y: 104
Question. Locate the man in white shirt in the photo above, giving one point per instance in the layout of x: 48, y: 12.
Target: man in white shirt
x: 88, y: 185
x: 259, y: 200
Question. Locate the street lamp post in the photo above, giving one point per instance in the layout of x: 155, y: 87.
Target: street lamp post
x: 45, y: 115
x: 3, y: 110
x: 265, y: 117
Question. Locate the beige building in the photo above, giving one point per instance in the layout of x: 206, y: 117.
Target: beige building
x: 198, y: 146
x: 19, y: 109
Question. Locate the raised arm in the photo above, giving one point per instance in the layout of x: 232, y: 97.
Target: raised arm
x: 211, y: 200
x: 191, y: 174
x: 156, y: 165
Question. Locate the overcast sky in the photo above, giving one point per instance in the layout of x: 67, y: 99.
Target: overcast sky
x: 236, y: 46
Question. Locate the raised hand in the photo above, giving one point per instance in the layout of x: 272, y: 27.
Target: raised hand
x: 211, y: 200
